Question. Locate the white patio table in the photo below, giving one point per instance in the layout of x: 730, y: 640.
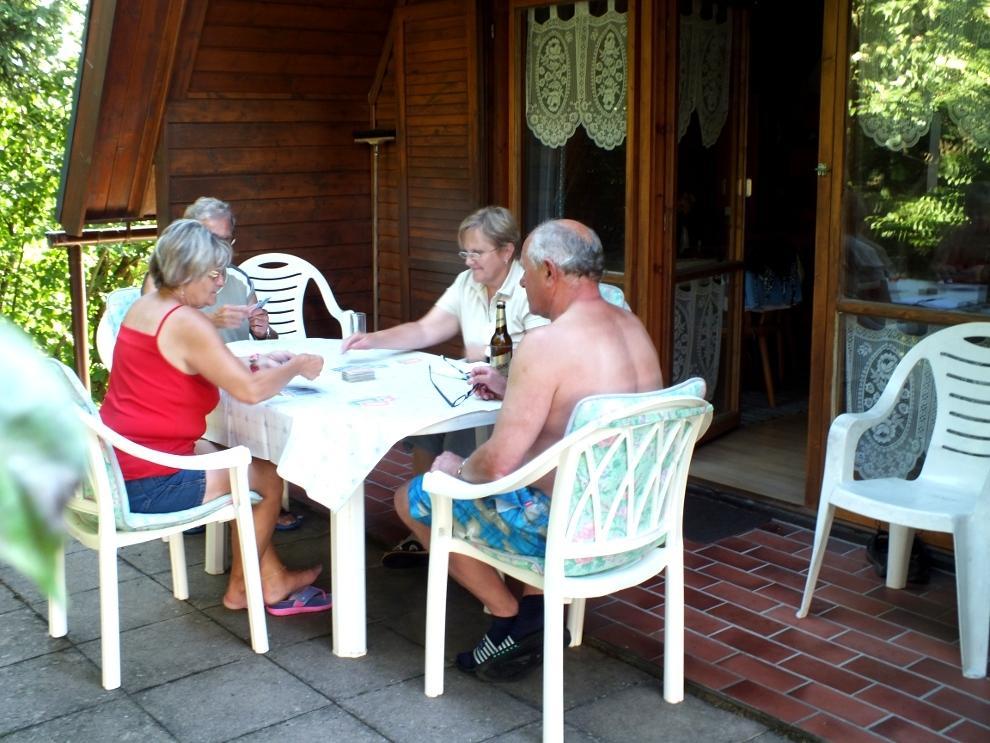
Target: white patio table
x: 328, y: 434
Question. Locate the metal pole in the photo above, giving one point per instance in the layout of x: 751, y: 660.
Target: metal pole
x: 375, y: 138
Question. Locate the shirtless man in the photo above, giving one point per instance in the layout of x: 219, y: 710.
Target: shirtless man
x: 590, y: 347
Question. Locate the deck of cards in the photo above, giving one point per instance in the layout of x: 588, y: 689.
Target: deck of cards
x: 357, y: 374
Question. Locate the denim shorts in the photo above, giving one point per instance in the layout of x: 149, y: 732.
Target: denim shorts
x: 167, y: 493
x: 513, y: 522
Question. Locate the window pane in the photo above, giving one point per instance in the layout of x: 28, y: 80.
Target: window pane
x: 574, y: 119
x: 917, y: 202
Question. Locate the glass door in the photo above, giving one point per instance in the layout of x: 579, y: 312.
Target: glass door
x: 711, y: 196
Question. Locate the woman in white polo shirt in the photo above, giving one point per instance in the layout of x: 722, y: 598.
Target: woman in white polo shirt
x: 488, y: 240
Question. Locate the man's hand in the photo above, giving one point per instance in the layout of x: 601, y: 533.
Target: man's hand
x: 258, y: 323
x: 489, y: 384
x: 447, y: 462
x: 231, y: 316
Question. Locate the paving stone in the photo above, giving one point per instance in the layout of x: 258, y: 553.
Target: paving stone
x: 153, y: 557
x: 640, y: 713
x: 533, y: 733
x: 330, y: 722
x: 172, y: 649
x: 8, y: 601
x: 25, y: 635
x: 47, y: 687
x: 588, y: 675
x: 81, y: 574
x: 140, y: 601
x: 120, y: 721
x: 466, y: 711
x: 225, y: 702
x: 205, y: 590
x: 390, y: 660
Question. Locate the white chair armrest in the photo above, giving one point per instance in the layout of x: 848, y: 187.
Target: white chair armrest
x: 237, y: 456
x: 440, y: 483
x: 843, y: 438
x: 346, y: 323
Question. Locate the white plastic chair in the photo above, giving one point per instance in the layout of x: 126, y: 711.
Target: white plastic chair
x: 282, y: 279
x: 952, y: 493
x: 613, y: 295
x: 615, y: 521
x: 117, y: 303
x: 100, y: 518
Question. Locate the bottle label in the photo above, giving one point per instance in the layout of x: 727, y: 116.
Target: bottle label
x: 500, y: 362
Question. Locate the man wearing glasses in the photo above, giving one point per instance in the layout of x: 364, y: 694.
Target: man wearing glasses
x: 590, y: 347
x: 235, y: 315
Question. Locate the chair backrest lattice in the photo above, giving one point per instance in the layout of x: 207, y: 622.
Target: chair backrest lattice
x: 118, y: 302
x: 282, y: 279
x: 619, y: 490
x: 103, y: 473
x: 959, y: 358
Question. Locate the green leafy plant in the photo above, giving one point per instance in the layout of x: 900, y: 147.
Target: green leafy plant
x: 39, y: 48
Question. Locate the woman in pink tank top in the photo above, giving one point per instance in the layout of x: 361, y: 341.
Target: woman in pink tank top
x: 169, y: 364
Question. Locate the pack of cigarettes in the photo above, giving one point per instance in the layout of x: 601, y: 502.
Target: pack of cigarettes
x: 357, y: 374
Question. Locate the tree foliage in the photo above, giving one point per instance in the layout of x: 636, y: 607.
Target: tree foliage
x: 39, y: 48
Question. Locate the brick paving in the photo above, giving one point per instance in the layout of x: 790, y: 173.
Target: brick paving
x: 869, y: 663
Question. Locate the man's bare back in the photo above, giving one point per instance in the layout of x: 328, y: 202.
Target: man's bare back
x: 590, y: 347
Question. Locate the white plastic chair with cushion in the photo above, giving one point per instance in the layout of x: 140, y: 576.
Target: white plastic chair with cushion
x: 615, y: 521
x: 613, y: 295
x: 100, y: 518
x: 952, y: 493
x: 117, y: 303
x: 282, y: 279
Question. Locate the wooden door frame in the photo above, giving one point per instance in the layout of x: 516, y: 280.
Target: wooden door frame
x: 823, y: 402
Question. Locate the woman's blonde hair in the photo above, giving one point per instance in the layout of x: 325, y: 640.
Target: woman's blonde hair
x: 186, y: 251
x: 495, y: 222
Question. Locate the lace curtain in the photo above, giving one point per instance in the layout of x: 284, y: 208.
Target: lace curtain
x: 576, y: 74
x: 698, y: 312
x: 893, y: 448
x: 917, y: 58
x: 703, y: 74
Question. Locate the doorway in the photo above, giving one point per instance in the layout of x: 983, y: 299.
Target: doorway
x: 746, y: 210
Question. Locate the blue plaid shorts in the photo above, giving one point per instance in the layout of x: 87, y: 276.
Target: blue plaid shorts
x: 513, y: 522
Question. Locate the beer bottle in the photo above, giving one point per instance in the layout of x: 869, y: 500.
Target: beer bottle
x: 501, y: 342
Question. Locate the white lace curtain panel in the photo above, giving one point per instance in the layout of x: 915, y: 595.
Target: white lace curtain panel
x: 894, y: 447
x: 930, y: 56
x: 698, y: 311
x: 576, y: 75
x: 703, y: 74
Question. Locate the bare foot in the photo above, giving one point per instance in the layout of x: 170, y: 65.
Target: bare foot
x: 274, y: 588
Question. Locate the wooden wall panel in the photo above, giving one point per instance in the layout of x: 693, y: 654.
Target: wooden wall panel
x: 438, y: 140
x: 264, y: 118
x: 390, y: 268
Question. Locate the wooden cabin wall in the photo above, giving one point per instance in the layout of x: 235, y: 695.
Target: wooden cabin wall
x: 432, y: 176
x: 261, y: 113
x: 390, y: 268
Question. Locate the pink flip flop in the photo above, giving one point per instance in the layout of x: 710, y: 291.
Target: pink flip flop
x: 304, y: 601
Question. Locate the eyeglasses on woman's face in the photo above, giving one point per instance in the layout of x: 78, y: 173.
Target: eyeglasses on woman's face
x: 217, y: 274
x: 474, y: 255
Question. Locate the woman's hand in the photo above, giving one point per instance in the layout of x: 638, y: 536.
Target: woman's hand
x: 488, y: 383
x: 357, y: 341
x: 310, y: 365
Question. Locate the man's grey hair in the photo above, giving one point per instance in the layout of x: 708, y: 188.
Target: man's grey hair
x: 206, y: 208
x: 577, y: 252
x: 495, y: 222
x: 185, y: 252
